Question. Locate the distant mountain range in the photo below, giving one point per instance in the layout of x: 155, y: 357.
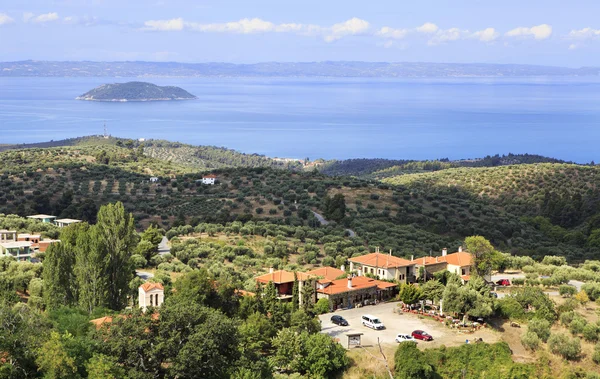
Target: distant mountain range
x: 135, y: 91
x: 279, y: 69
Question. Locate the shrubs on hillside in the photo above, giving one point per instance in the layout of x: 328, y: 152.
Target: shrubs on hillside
x: 530, y: 340
x: 565, y: 346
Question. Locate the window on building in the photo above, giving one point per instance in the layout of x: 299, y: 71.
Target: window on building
x: 464, y: 272
x: 151, y: 300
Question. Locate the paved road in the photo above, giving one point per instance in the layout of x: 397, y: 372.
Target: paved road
x: 322, y: 221
x: 575, y: 283
x: 163, y: 246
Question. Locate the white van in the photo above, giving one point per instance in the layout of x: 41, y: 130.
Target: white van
x: 372, y: 322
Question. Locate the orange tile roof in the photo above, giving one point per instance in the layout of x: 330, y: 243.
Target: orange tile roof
x: 151, y: 286
x: 381, y: 260
x: 282, y: 276
x: 358, y: 283
x: 327, y: 272
x: 466, y: 278
x: 461, y: 259
x: 245, y: 293
x: 209, y: 176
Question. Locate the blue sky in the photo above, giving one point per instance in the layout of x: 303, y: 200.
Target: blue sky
x: 551, y: 32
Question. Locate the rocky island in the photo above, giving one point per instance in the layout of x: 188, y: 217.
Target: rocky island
x: 135, y: 91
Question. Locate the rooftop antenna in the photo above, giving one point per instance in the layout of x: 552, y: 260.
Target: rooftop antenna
x: 105, y: 132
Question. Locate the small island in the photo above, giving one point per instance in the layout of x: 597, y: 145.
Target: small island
x: 135, y: 91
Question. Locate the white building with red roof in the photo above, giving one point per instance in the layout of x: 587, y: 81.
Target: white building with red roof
x: 459, y: 263
x: 151, y: 295
x: 209, y: 179
x: 383, y: 266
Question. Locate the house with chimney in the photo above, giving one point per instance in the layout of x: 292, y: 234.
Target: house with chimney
x: 354, y: 291
x: 284, y: 283
x: 384, y: 266
x: 459, y: 263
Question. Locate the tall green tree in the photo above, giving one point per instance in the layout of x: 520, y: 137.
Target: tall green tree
x: 90, y: 270
x: 484, y: 254
x: 58, y: 275
x: 116, y: 241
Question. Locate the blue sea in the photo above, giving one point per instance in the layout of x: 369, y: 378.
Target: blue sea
x: 326, y: 118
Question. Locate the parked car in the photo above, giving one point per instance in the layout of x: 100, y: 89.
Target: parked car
x: 503, y: 282
x: 339, y: 320
x: 421, y: 335
x: 372, y: 322
x: 405, y: 338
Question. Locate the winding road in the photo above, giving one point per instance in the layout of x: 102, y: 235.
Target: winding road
x: 323, y: 221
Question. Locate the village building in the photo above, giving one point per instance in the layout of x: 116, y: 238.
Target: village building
x: 209, y: 179
x: 384, y: 266
x: 20, y: 250
x: 153, y: 179
x: 44, y: 244
x: 459, y: 263
x: 284, y: 283
x: 354, y: 291
x: 8, y: 235
x: 64, y: 222
x: 151, y: 295
x: 327, y: 273
x: 43, y: 218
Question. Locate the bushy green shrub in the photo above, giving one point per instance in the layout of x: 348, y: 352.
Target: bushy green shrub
x: 138, y: 261
x: 322, y: 306
x: 590, y: 332
x: 518, y: 281
x: 530, y: 340
x: 576, y: 326
x: 596, y: 356
x: 592, y: 290
x: 566, y: 290
x: 565, y: 346
x: 540, y: 327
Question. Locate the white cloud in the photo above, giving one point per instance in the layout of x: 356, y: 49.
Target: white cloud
x: 447, y: 35
x: 175, y: 24
x: 486, y: 35
x: 40, y: 19
x: 243, y: 26
x: 5, y: 19
x: 427, y: 28
x: 387, y: 32
x: 353, y: 26
x: 585, y: 33
x: 539, y: 32
x: 573, y: 46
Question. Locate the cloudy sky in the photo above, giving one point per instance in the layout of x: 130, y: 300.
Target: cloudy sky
x: 552, y: 32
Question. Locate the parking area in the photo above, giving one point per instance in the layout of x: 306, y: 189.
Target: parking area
x: 395, y: 323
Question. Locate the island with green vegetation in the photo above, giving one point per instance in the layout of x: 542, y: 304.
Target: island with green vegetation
x: 75, y: 312
x: 135, y: 91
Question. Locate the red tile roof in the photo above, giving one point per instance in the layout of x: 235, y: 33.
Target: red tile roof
x: 151, y: 286
x: 461, y: 259
x: 381, y: 260
x: 209, y: 176
x: 327, y: 272
x: 282, y: 276
x: 358, y: 283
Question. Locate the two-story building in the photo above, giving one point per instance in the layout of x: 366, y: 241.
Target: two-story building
x: 20, y: 250
x: 459, y: 263
x: 8, y: 235
x: 384, y: 266
x: 284, y: 283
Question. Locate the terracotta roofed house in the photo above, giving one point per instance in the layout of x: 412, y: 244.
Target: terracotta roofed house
x: 384, y: 266
x: 352, y: 291
x: 284, y: 282
x: 329, y: 273
x: 458, y: 263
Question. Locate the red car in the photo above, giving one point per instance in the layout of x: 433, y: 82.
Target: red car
x: 421, y: 335
x: 503, y: 282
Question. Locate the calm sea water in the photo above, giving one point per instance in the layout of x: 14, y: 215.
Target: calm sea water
x: 327, y: 118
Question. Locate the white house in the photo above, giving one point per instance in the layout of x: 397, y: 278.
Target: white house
x: 151, y: 295
x: 209, y: 179
x: 153, y: 179
x: 64, y: 222
x: 384, y: 266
